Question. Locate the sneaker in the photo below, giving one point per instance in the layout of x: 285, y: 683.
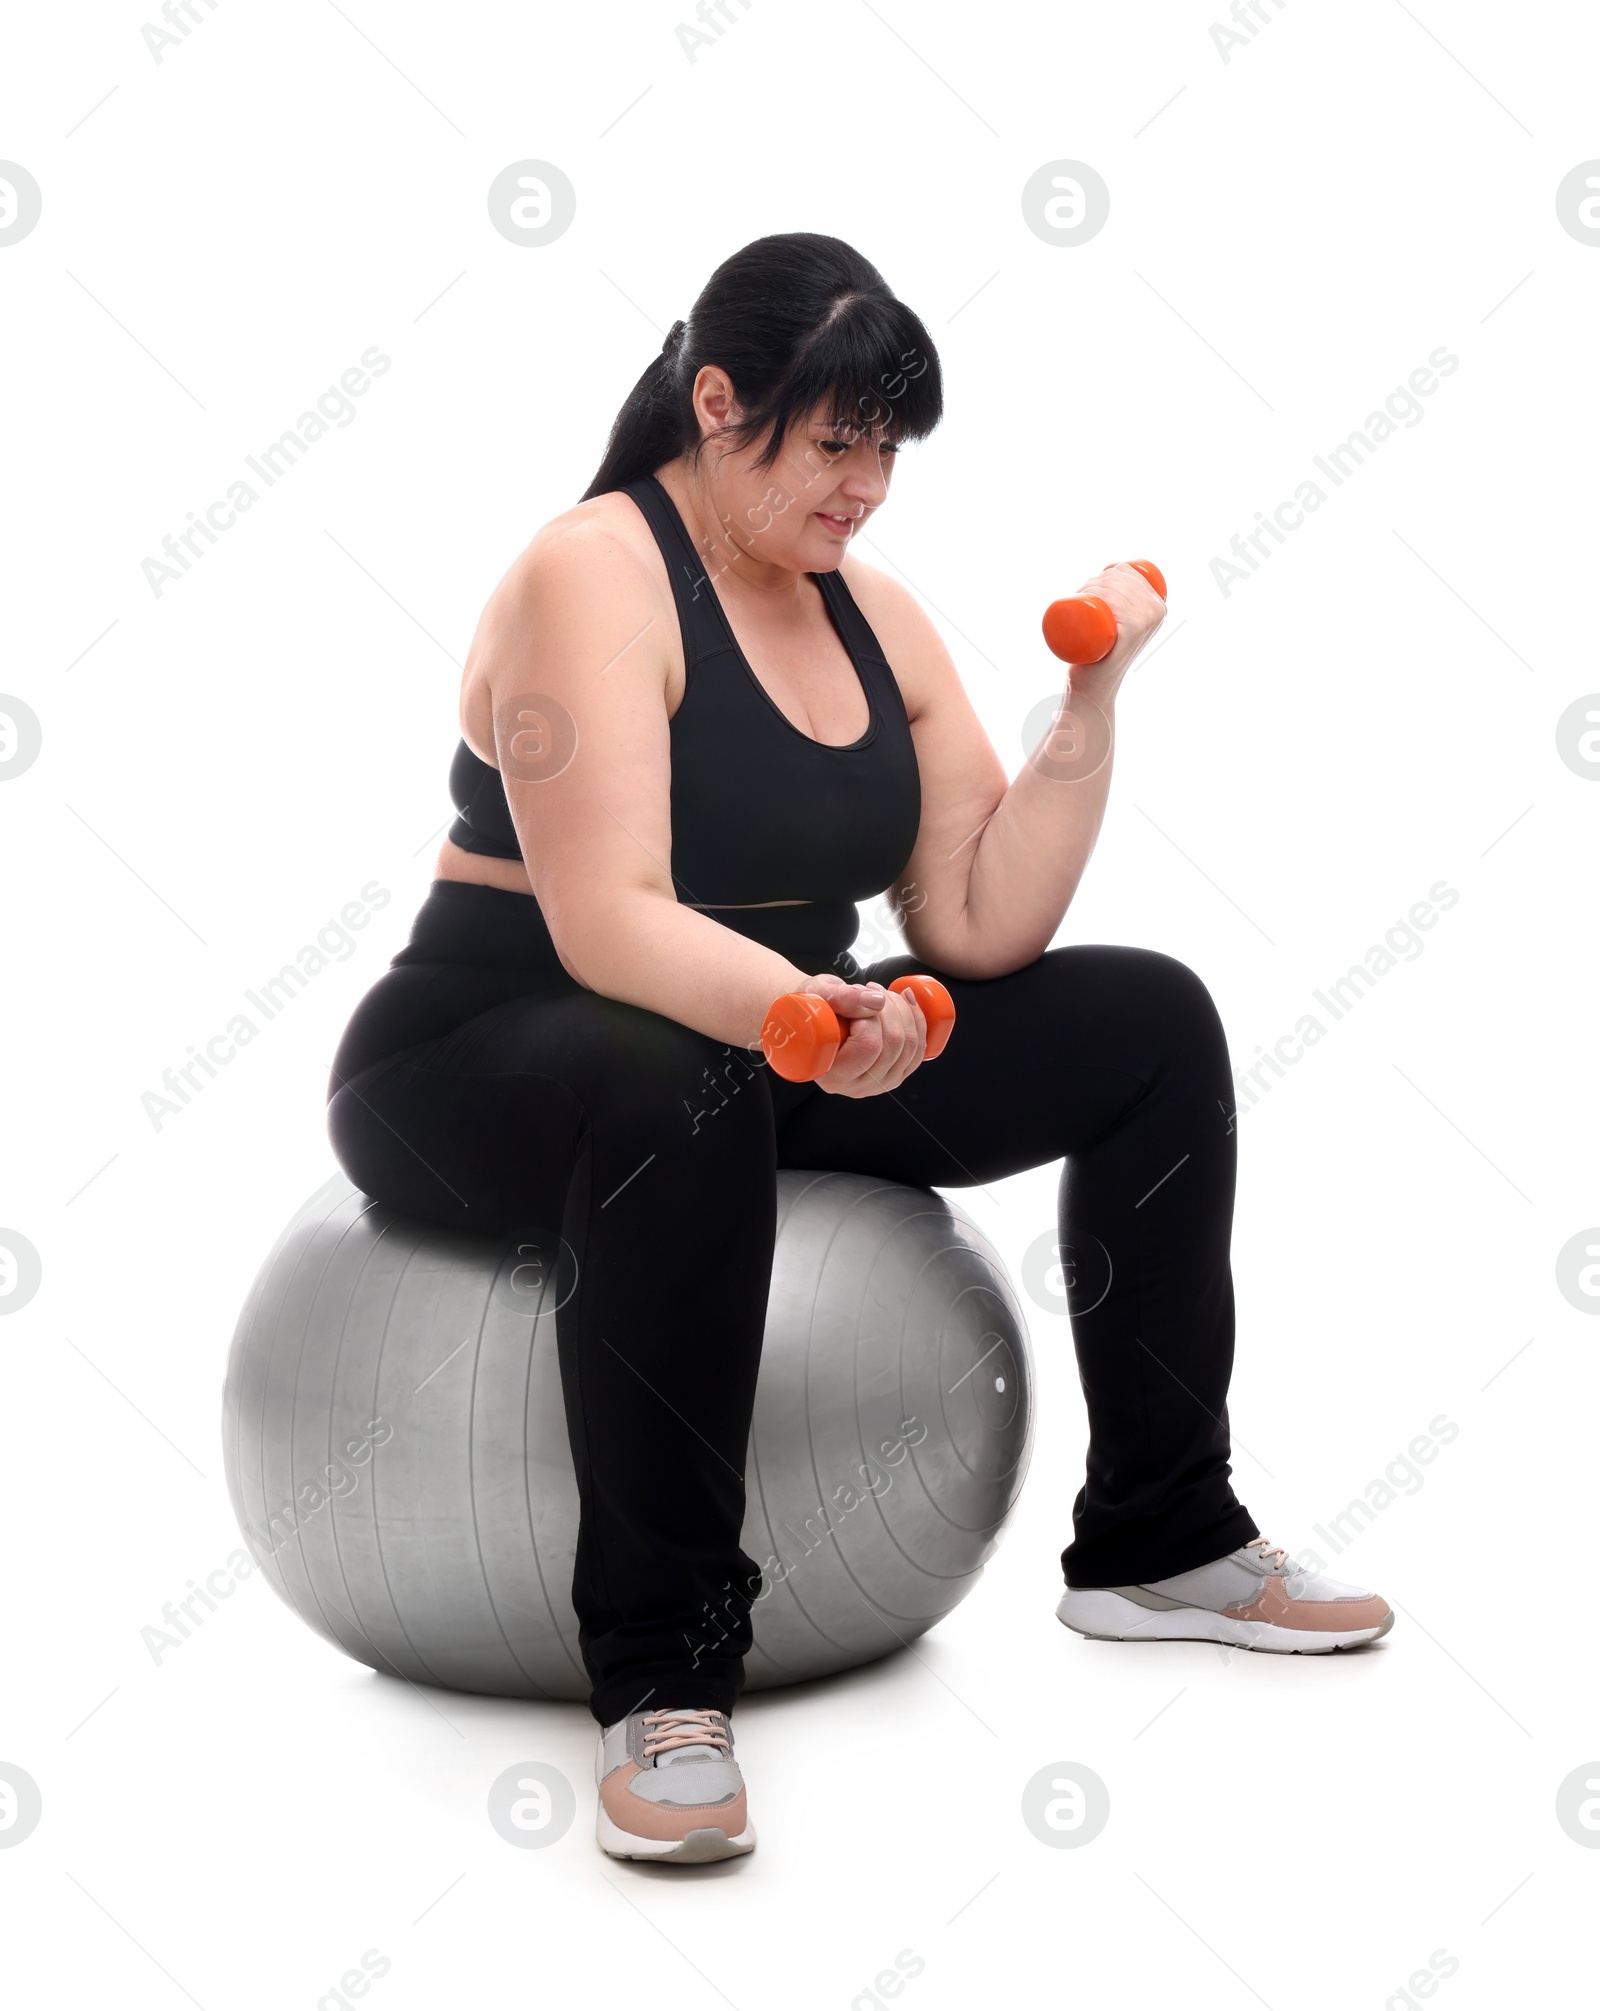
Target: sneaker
x: 671, y: 1790
x: 1256, y: 1597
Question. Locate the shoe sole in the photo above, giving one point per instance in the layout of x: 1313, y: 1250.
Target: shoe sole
x: 700, y: 1846
x: 1107, y: 1616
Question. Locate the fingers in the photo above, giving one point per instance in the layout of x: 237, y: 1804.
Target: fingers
x: 861, y: 1002
x: 849, y: 1001
x: 1139, y: 612
x: 1151, y: 608
x: 916, y: 1047
x: 1123, y: 567
x: 879, y: 1049
x: 1130, y: 595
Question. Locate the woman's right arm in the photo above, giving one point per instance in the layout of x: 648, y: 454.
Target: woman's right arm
x: 572, y: 655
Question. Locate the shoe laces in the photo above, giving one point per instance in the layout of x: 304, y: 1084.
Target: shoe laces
x: 1274, y: 1556
x: 668, y: 1731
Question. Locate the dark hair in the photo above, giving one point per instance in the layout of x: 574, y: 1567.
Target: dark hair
x: 793, y: 319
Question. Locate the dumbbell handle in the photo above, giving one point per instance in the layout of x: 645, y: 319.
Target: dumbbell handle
x: 801, y: 1033
x: 1082, y: 628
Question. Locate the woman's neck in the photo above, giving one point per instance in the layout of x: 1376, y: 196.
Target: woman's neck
x: 712, y: 524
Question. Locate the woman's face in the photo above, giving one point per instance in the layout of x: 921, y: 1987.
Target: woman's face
x: 801, y: 512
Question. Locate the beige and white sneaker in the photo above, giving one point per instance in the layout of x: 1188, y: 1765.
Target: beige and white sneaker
x: 1256, y: 1597
x: 671, y: 1790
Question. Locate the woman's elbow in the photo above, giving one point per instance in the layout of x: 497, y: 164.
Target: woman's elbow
x: 960, y: 953
x: 571, y: 968
x: 578, y: 950
x: 599, y: 941
x: 946, y: 950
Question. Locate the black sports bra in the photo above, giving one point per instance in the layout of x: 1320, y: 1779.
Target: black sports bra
x: 761, y: 812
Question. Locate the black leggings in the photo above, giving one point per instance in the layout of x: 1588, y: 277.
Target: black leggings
x: 495, y: 1099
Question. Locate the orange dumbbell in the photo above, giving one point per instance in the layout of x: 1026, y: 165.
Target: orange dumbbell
x: 801, y: 1033
x: 1083, y: 629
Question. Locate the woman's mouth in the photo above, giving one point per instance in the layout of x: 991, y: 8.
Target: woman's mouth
x: 841, y: 527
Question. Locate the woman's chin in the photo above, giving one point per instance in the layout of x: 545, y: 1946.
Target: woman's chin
x: 822, y: 552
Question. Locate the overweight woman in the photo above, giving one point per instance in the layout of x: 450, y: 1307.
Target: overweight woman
x: 696, y: 730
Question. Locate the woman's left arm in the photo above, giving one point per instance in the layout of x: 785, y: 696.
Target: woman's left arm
x: 996, y: 865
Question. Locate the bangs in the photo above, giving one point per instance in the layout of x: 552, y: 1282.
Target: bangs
x: 870, y: 366
x: 802, y: 327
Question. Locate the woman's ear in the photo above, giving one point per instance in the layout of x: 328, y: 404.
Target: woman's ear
x: 715, y: 405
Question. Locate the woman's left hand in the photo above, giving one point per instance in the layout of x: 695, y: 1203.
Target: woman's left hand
x: 1139, y: 610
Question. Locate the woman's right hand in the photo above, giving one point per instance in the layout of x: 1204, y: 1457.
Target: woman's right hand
x: 885, y: 1036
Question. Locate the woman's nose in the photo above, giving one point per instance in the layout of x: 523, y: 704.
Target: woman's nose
x: 865, y: 483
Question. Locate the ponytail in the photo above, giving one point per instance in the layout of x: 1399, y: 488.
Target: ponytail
x: 649, y: 430
x: 793, y: 319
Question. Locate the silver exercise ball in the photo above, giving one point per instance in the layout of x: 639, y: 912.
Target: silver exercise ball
x: 396, y: 1448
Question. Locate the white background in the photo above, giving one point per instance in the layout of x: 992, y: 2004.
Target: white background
x: 1292, y: 232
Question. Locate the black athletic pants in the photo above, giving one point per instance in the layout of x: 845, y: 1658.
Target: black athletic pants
x: 491, y: 1099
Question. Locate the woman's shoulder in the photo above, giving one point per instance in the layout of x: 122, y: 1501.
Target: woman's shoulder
x: 580, y: 591
x: 602, y: 545
x: 881, y: 598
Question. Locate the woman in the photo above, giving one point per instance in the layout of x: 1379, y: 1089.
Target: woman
x: 695, y: 731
